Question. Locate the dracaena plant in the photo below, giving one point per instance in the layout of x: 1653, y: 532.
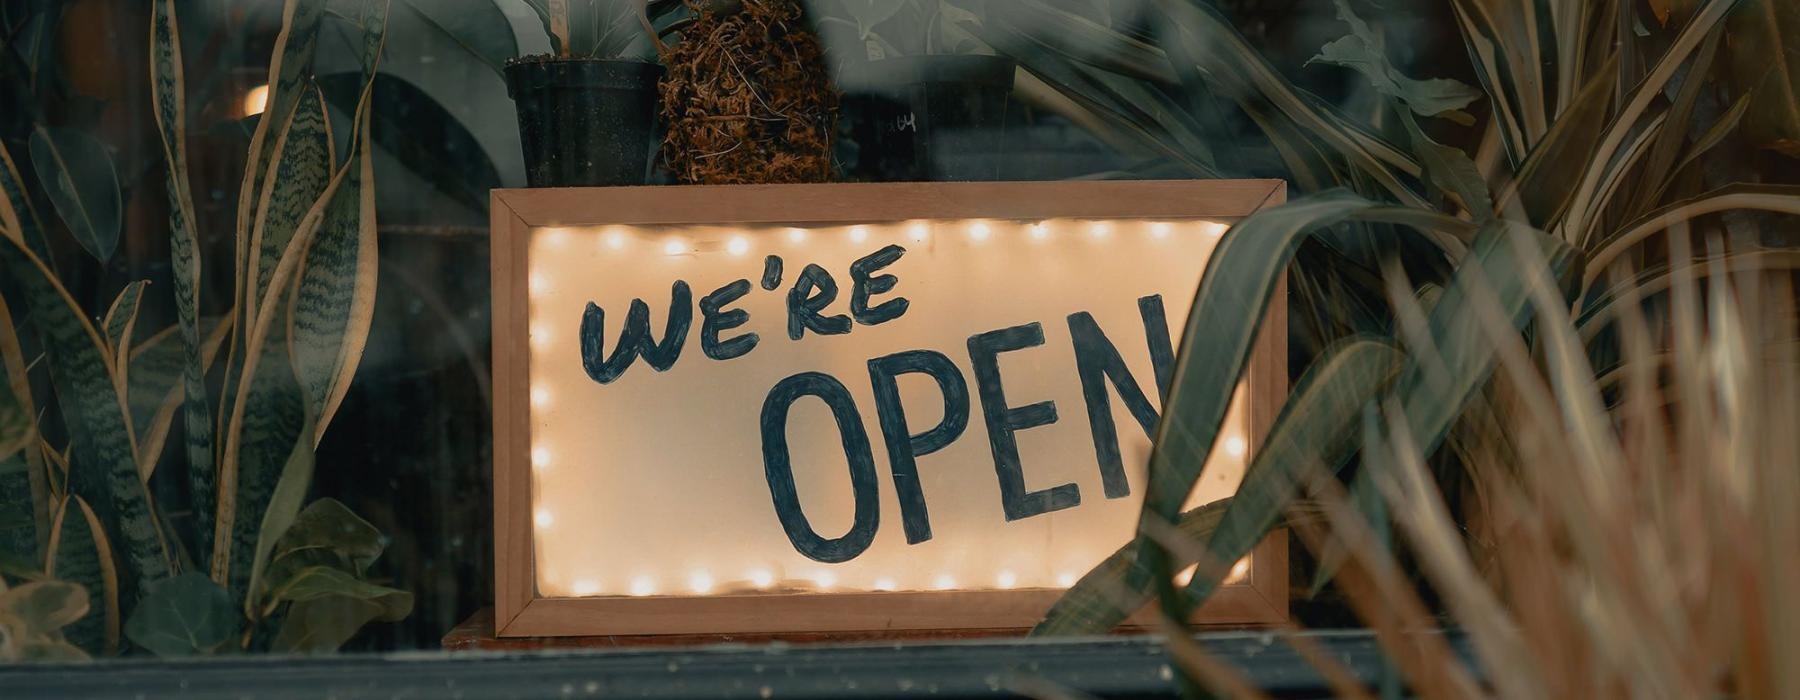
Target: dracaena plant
x: 882, y: 29
x: 603, y: 29
x: 1593, y: 138
x: 255, y: 566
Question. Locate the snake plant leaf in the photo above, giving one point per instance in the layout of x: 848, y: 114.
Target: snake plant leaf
x: 290, y: 63
x: 18, y: 219
x: 23, y: 494
x: 118, y: 324
x: 184, y: 615
x: 184, y: 249
x: 81, y: 553
x: 1361, y: 51
x: 1314, y: 424
x: 333, y: 303
x: 77, y: 173
x: 283, y: 508
x: 1765, y: 57
x: 421, y: 134
x: 103, y: 469
x: 478, y: 26
x: 17, y: 425
x: 156, y: 391
x: 298, y: 175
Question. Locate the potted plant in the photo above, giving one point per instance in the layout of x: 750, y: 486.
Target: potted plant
x: 927, y: 94
x: 587, y: 109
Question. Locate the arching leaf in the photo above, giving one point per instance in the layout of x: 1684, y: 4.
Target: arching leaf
x: 77, y: 173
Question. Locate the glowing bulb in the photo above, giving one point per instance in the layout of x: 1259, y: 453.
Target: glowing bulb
x: 256, y: 100
x: 1236, y: 446
x: 918, y: 232
x: 1239, y: 571
x: 1066, y: 579
x: 643, y: 586
x: 557, y: 238
x: 540, y: 458
x: 825, y: 579
x: 540, y: 397
x: 700, y: 582
x: 1185, y: 575
x: 761, y: 578
x: 544, y: 518
x: 1214, y: 229
x: 979, y: 231
x: 1159, y: 230
x: 1040, y: 231
x: 587, y: 586
x: 1100, y: 229
x: 943, y: 582
x: 615, y: 239
x: 738, y: 245
x: 884, y: 584
x: 674, y: 246
x: 859, y: 234
x: 539, y: 284
x: 541, y: 336
x: 797, y: 235
x: 1007, y: 579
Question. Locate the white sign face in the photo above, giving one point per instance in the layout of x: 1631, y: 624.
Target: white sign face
x: 904, y: 406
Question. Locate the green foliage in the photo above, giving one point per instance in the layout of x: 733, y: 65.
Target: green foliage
x: 301, y: 297
x: 883, y: 29
x: 184, y: 615
x: 77, y: 172
x: 1590, y: 152
x: 32, y: 617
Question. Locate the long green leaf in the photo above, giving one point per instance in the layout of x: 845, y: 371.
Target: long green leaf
x: 118, y: 324
x: 77, y: 173
x: 1313, y: 425
x: 166, y: 75
x: 297, y: 176
x: 18, y: 219
x: 1765, y: 57
x: 81, y: 553
x: 478, y: 26
x: 104, y: 468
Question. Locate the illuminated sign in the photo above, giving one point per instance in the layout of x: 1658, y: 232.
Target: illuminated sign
x: 845, y: 407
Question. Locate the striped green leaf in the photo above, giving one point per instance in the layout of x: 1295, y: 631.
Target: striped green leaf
x: 103, y: 469
x: 166, y: 76
x: 18, y: 219
x: 296, y: 178
x: 77, y: 173
x: 1314, y: 425
x: 81, y: 553
x: 118, y: 324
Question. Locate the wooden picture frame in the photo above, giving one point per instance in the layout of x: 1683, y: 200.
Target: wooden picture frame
x: 1261, y: 597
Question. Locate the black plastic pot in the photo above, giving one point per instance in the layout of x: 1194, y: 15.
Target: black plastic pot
x: 584, y: 122
x: 929, y: 117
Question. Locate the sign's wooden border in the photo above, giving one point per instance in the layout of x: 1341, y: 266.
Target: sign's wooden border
x: 521, y: 611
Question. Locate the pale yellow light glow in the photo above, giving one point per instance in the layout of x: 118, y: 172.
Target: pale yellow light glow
x: 1186, y: 575
x: 541, y: 335
x: 256, y: 100
x: 1160, y: 229
x: 1100, y: 229
x: 619, y: 464
x: 1236, y: 446
x: 1213, y: 228
x: 859, y: 234
x: 1239, y: 571
x: 544, y: 518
